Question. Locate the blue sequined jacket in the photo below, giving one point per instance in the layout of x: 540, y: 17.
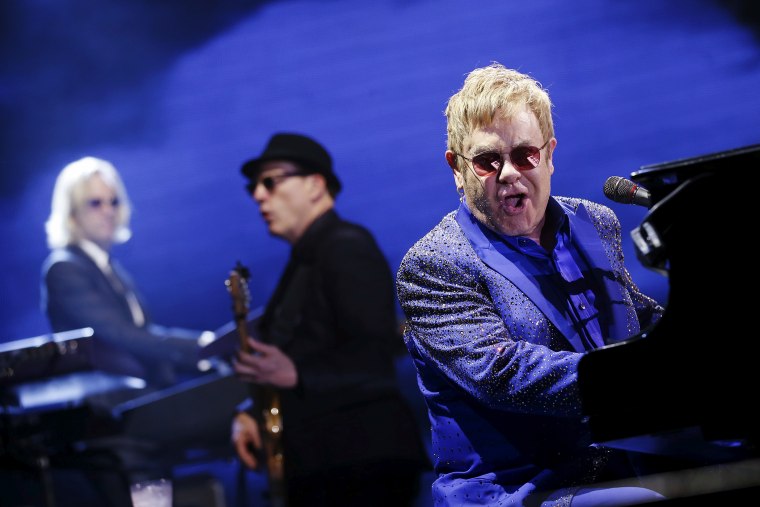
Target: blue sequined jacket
x: 497, y: 365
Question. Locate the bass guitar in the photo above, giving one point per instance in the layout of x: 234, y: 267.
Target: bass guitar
x: 267, y: 410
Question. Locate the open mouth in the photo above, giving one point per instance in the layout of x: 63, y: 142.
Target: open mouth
x: 513, y: 204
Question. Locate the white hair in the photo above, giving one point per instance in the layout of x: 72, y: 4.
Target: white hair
x: 68, y: 195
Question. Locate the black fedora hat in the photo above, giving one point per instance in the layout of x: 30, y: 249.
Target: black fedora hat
x: 311, y: 156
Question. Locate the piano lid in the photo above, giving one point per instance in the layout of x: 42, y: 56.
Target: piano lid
x: 662, y: 178
x: 669, y: 183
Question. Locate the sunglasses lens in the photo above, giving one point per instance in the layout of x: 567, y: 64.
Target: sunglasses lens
x: 270, y: 182
x: 522, y: 158
x: 487, y: 163
x: 97, y: 203
x: 525, y: 157
x: 267, y: 182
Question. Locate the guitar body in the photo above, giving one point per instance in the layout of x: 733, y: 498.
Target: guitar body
x: 267, y: 410
x: 269, y: 417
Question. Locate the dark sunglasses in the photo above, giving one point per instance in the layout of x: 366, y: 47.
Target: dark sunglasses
x: 269, y: 182
x: 523, y: 158
x: 97, y: 203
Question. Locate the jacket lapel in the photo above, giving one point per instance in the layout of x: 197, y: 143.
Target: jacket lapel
x: 507, y: 263
x: 592, y: 248
x: 103, y: 280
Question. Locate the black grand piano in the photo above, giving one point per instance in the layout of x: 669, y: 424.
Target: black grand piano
x: 688, y: 386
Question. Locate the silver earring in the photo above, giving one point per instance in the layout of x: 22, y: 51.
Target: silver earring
x: 460, y: 191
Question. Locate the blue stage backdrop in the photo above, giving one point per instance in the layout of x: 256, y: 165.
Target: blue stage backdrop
x: 178, y: 93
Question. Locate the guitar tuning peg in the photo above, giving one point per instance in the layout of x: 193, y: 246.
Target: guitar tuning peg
x: 242, y: 270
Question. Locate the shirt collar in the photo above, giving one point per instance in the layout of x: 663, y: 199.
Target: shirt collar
x: 96, y: 253
x: 555, y: 218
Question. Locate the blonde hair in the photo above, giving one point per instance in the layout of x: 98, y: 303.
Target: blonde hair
x: 69, y: 194
x: 490, y: 90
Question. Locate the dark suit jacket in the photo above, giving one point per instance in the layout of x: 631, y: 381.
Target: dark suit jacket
x: 333, y: 312
x: 76, y: 294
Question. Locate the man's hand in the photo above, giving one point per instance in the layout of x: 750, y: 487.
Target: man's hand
x: 266, y: 365
x: 245, y: 438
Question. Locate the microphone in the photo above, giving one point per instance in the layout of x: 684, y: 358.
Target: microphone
x: 626, y: 192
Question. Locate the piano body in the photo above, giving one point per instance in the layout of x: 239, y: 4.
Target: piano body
x: 688, y: 386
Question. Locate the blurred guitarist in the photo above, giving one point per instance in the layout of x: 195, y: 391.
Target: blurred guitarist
x: 329, y: 335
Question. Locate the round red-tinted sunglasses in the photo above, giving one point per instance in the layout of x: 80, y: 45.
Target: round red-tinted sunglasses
x: 522, y: 158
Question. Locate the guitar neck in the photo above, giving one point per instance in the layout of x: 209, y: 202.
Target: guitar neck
x: 267, y: 399
x: 242, y: 330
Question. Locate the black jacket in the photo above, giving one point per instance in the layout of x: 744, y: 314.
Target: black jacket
x: 76, y: 294
x: 333, y: 313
